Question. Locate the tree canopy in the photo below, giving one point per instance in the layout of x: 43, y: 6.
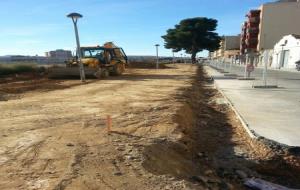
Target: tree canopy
x: 193, y: 35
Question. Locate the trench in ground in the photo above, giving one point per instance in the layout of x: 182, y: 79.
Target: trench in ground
x: 214, y: 146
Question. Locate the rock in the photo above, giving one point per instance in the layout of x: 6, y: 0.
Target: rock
x: 238, y: 152
x: 213, y: 180
x: 70, y: 144
x: 224, y: 186
x: 130, y: 157
x: 208, y: 172
x: 159, y: 140
x: 118, y: 173
x: 262, y: 184
x: 241, y: 174
x: 221, y: 101
x: 294, y: 151
x: 200, y: 179
x: 201, y: 154
x: 120, y: 149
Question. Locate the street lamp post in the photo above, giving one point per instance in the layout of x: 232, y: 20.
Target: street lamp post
x: 157, y: 61
x: 281, y: 63
x: 75, y: 17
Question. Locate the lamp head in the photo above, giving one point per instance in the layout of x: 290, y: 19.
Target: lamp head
x: 156, y: 45
x: 74, y: 16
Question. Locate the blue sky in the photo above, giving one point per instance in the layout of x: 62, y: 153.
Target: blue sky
x: 31, y: 27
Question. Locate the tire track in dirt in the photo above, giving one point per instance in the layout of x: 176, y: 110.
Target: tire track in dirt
x: 32, y: 154
x: 73, y: 168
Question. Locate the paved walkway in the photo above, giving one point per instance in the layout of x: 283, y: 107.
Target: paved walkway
x: 271, y: 113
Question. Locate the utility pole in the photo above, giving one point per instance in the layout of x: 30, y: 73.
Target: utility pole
x: 157, y: 60
x: 75, y: 17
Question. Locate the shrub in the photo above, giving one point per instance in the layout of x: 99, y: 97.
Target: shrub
x: 9, y: 69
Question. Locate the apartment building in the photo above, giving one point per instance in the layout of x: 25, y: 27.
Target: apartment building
x: 229, y: 47
x: 265, y: 26
x: 250, y: 32
x: 59, y: 54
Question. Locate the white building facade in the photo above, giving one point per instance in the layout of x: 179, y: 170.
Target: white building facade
x: 286, y: 52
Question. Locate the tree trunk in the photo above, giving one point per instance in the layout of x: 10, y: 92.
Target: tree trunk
x: 194, y: 57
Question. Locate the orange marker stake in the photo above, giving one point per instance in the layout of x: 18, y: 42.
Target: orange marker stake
x: 108, y: 123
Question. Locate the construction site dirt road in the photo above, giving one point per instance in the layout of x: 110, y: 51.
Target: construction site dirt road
x: 171, y: 129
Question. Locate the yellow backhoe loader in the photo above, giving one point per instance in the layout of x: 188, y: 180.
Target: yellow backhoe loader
x: 98, y: 61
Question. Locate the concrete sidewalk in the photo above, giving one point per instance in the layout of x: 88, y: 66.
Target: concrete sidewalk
x: 270, y: 113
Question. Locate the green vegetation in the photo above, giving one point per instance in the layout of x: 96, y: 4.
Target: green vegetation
x: 17, y: 68
x: 193, y: 35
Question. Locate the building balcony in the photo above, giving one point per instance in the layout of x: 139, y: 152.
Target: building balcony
x: 254, y: 13
x: 251, y: 41
x: 252, y: 25
x: 254, y: 19
x: 251, y: 36
x: 252, y: 30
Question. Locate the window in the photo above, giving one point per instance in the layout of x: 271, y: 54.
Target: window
x: 93, y: 53
x: 119, y: 53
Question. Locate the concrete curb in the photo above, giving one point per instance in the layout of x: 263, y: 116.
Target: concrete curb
x: 245, y: 125
x: 250, y: 132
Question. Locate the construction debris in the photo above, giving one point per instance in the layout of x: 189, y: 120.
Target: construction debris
x: 259, y: 184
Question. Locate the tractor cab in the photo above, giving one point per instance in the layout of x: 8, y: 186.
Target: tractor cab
x: 92, y: 56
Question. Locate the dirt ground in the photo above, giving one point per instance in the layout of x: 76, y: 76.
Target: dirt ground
x: 171, y: 129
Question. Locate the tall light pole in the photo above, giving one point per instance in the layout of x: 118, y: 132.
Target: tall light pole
x: 157, y: 45
x: 75, y: 17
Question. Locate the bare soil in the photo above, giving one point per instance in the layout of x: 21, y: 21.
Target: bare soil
x: 171, y: 129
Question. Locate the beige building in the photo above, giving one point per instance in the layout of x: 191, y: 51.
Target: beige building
x: 277, y: 20
x: 229, y: 47
x: 266, y: 25
x: 232, y: 42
